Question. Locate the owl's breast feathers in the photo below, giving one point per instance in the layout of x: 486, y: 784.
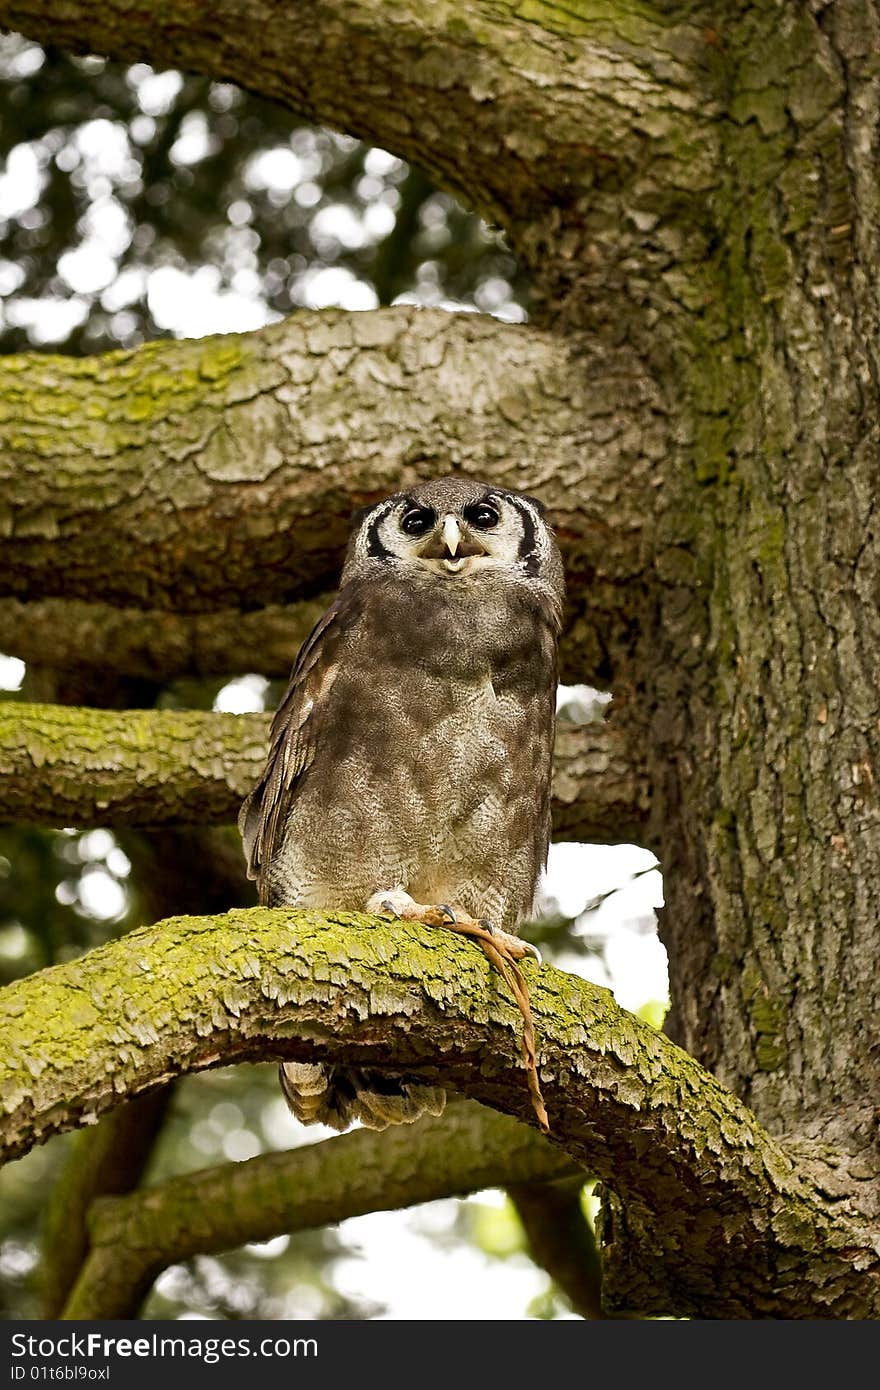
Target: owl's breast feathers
x: 416, y: 733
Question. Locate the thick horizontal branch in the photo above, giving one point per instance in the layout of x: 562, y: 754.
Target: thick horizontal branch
x: 135, y: 1237
x: 67, y: 766
x: 85, y: 640
x: 601, y: 790
x: 222, y: 473
x: 513, y: 106
x: 156, y: 644
x: 719, y: 1204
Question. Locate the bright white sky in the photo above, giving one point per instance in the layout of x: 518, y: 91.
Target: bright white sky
x: 396, y: 1265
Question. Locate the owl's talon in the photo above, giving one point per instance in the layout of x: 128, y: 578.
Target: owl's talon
x: 514, y: 944
x: 443, y: 907
x: 395, y: 902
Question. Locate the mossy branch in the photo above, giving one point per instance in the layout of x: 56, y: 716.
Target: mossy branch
x: 136, y: 1236
x: 222, y: 473
x: 718, y: 1203
x: 66, y: 766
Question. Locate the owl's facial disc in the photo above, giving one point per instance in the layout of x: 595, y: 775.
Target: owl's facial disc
x: 460, y: 534
x: 455, y: 536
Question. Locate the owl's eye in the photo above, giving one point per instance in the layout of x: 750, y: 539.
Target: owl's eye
x: 482, y: 515
x: 417, y: 520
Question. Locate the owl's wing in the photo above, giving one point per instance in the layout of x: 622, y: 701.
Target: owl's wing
x: 293, y: 736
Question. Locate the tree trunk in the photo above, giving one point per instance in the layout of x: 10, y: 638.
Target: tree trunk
x: 763, y: 707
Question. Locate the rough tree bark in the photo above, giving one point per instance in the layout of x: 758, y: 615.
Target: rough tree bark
x: 695, y: 192
x: 156, y: 644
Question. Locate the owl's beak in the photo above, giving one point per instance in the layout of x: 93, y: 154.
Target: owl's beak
x: 451, y: 546
x: 452, y: 561
x: 451, y: 534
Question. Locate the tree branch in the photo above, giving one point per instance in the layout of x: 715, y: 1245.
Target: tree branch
x: 107, y: 1159
x: 133, y: 1238
x: 222, y: 473
x: 87, y: 639
x: 61, y: 765
x: 729, y: 1220
x: 491, y: 99
x: 601, y: 791
x: 67, y: 766
x: 156, y: 644
x: 561, y: 1240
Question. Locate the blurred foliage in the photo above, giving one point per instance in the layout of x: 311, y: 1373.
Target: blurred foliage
x: 227, y: 1116
x: 58, y: 890
x: 23, y: 1188
x: 117, y: 176
x: 494, y: 1227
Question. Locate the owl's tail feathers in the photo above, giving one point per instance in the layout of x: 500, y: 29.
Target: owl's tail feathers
x: 326, y: 1095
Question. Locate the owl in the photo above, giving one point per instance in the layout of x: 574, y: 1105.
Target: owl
x: 410, y: 758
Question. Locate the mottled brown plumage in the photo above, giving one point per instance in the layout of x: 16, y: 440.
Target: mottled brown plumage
x: 410, y: 756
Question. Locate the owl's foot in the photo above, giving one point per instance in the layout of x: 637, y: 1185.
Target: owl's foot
x: 501, y: 950
x: 395, y: 902
x: 514, y: 945
x: 511, y: 947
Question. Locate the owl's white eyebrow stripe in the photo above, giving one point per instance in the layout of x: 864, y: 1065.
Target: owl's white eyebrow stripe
x: 373, y: 544
x: 528, y: 548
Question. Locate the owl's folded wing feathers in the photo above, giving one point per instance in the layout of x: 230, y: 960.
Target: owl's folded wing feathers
x: 293, y: 736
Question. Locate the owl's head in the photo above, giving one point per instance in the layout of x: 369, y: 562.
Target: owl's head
x: 458, y: 530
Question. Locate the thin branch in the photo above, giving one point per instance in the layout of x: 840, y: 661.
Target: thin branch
x: 721, y: 1206
x: 64, y: 766
x: 135, y: 1237
x: 561, y: 1240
